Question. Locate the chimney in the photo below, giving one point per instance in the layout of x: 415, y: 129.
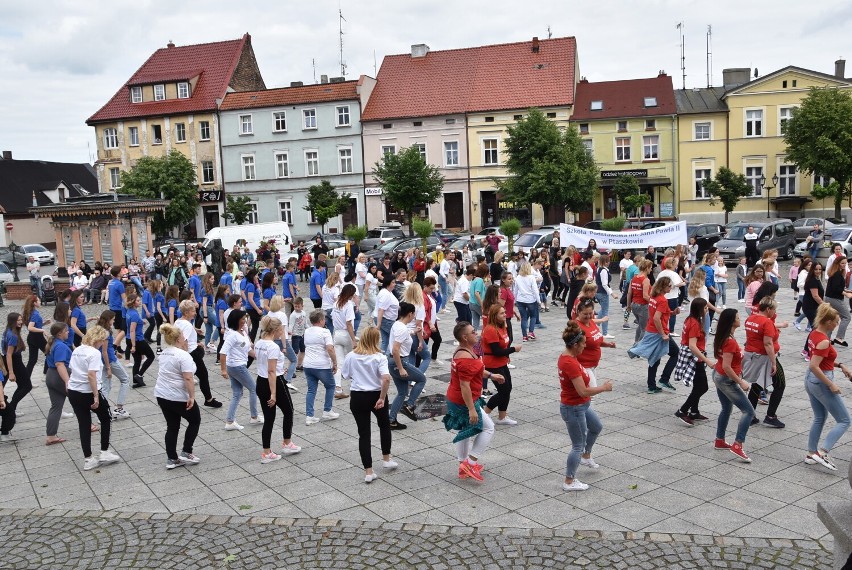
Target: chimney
x: 734, y: 76
x: 840, y: 68
x: 296, y: 84
x: 323, y: 79
x: 337, y: 79
x: 419, y: 50
x: 7, y: 155
x: 535, y: 44
x: 170, y: 45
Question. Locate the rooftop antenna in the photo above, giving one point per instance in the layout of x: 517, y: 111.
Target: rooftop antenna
x: 314, y: 65
x: 375, y: 73
x: 340, y: 23
x: 709, y: 56
x: 682, y: 54
x: 549, y: 34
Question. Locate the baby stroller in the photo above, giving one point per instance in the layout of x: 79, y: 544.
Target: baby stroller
x: 48, y: 291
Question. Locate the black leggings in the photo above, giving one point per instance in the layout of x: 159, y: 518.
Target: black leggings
x: 143, y: 349
x: 500, y: 400
x: 201, y: 372
x: 362, y: 404
x: 699, y: 388
x: 254, y: 316
x: 25, y: 383
x: 35, y: 343
x: 283, y: 401
x: 778, y: 384
x: 82, y: 404
x: 173, y: 412
x: 436, y: 344
x: 152, y: 324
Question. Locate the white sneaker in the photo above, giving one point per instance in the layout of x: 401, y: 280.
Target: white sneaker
x: 455, y: 343
x: 19, y: 414
x: 189, y: 458
x: 290, y: 449
x: 91, y: 463
x: 233, y: 426
x: 575, y: 486
x: 67, y: 414
x: 255, y: 421
x: 120, y: 414
x: 590, y: 462
x: 311, y: 420
x: 269, y: 457
x: 507, y: 421
x: 390, y: 464
x: 609, y: 336
x: 439, y: 362
x: 174, y: 463
x: 370, y: 478
x: 330, y: 415
x: 108, y: 456
x: 673, y: 335
x: 740, y: 300
x: 8, y: 438
x: 292, y: 388
x: 511, y: 366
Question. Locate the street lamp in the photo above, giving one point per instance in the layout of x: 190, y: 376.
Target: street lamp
x: 12, y: 248
x: 768, y: 188
x: 124, y: 248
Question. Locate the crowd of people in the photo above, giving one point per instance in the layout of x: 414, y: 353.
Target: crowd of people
x: 373, y: 323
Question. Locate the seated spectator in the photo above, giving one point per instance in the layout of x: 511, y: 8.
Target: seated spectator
x: 98, y: 287
x: 80, y: 283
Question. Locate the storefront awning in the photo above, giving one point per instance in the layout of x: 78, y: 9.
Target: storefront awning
x: 797, y: 200
x: 661, y: 181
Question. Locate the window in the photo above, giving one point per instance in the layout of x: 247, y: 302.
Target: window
x: 252, y: 213
x: 207, y: 175
x: 784, y: 115
x: 702, y: 131
x: 584, y: 128
x: 286, y: 209
x: 421, y: 147
x: 135, y: 94
x: 157, y: 131
x: 517, y: 117
x: 282, y: 165
x: 701, y: 174
x: 822, y: 180
x: 312, y: 163
x: 159, y: 92
x: 588, y: 144
x: 114, y: 178
x: 342, y: 116
x: 204, y: 126
x: 651, y: 147
x: 651, y: 124
x: 451, y: 153
x: 310, y: 116
x: 489, y: 119
x: 345, y: 156
x: 248, y: 167
x: 794, y: 82
x: 489, y: 151
x: 245, y: 125
x: 621, y: 126
x: 134, y: 136
x: 754, y: 123
x: 596, y: 106
x: 450, y: 121
x: 180, y: 132
x: 622, y: 149
x: 417, y: 124
x: 650, y: 101
x: 388, y: 149
x: 183, y: 90
x: 787, y: 180
x: 753, y: 174
x: 387, y: 126
x: 280, y: 120
x: 551, y: 115
x: 110, y: 138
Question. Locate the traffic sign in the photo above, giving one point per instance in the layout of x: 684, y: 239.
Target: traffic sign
x: 10, y: 226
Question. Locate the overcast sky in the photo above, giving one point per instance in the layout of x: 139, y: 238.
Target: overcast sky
x: 60, y: 61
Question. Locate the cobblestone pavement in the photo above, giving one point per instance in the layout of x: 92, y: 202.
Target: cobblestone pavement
x: 127, y: 540
x: 657, y: 476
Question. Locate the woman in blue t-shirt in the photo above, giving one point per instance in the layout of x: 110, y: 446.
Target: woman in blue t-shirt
x: 62, y: 314
x: 13, y: 348
x: 251, y: 293
x: 148, y: 309
x: 113, y: 368
x: 172, y: 312
x: 159, y: 311
x: 136, y: 337
x: 208, y: 312
x: 78, y: 317
x: 58, y: 358
x: 268, y: 287
x: 36, y: 341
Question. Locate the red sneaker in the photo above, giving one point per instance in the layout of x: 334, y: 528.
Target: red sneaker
x: 737, y: 449
x: 722, y: 444
x: 469, y: 470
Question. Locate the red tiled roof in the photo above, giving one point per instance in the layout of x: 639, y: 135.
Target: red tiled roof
x: 486, y: 78
x: 625, y: 98
x: 323, y: 92
x: 214, y: 62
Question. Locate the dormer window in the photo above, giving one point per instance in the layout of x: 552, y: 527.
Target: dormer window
x: 650, y: 101
x: 159, y: 92
x: 135, y: 94
x: 596, y: 106
x: 183, y: 90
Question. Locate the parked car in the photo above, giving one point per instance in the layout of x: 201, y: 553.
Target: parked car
x: 380, y: 235
x: 6, y: 256
x: 446, y: 236
x: 41, y: 253
x: 772, y: 234
x: 837, y: 234
x: 5, y: 274
x: 401, y: 244
x: 706, y: 235
x: 803, y: 226
x: 532, y: 239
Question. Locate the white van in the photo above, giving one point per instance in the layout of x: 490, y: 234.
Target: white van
x: 251, y: 235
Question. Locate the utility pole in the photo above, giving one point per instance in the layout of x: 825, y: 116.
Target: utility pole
x: 709, y: 56
x: 340, y: 24
x: 682, y: 53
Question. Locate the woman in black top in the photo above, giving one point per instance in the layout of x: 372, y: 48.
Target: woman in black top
x: 580, y: 275
x: 496, y: 268
x: 836, y: 294
x: 399, y: 262
x: 812, y: 299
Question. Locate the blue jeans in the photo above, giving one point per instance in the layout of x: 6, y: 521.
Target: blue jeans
x: 730, y: 394
x: 329, y: 324
x: 212, y: 325
x: 313, y: 376
x: 741, y: 289
x: 118, y: 371
x: 385, y: 334
x: 673, y: 305
x: 444, y: 286
x: 425, y: 353
x: 823, y: 401
x: 528, y: 314
x: 291, y: 358
x: 603, y: 299
x: 241, y: 379
x: 722, y: 295
x: 813, y: 251
x: 414, y: 375
x: 584, y: 426
x: 357, y: 322
x: 476, y: 316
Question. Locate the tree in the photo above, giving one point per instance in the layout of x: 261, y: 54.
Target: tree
x: 510, y: 228
x: 356, y: 233
x: 423, y: 228
x: 171, y: 177
x: 822, y: 192
x: 613, y: 224
x: 629, y: 193
x: 548, y: 167
x: 408, y: 182
x: 819, y: 138
x: 728, y: 187
x: 237, y: 209
x: 326, y: 203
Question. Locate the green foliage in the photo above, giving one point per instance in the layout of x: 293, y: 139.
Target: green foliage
x: 728, y: 187
x: 356, y: 233
x: 510, y: 228
x: 822, y: 192
x: 629, y: 193
x: 423, y: 228
x: 237, y: 209
x: 613, y: 224
x: 171, y: 177
x: 408, y: 182
x: 326, y: 203
x: 819, y: 138
x: 546, y: 166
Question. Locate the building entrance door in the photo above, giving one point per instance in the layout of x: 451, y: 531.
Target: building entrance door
x: 211, y: 218
x: 454, y: 210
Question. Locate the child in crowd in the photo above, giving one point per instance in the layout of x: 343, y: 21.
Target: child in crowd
x: 794, y: 277
x: 298, y: 323
x: 742, y: 271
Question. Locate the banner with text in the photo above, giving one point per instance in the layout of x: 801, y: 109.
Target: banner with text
x: 663, y: 236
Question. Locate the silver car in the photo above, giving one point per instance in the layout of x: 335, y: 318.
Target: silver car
x: 776, y: 233
x: 803, y: 226
x: 837, y: 234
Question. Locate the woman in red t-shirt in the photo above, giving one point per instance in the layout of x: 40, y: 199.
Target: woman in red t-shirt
x: 730, y: 385
x: 507, y: 296
x: 495, y: 356
x: 693, y: 337
x: 591, y: 355
x: 823, y: 392
x: 582, y: 422
x: 760, y: 361
x: 657, y: 342
x: 638, y: 294
x: 464, y: 408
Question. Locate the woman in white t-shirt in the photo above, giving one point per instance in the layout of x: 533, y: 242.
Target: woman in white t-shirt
x: 371, y: 289
x: 366, y: 368
x: 343, y: 320
x: 276, y: 310
x: 387, y: 309
x: 720, y: 274
x: 272, y: 388
x: 526, y: 299
x: 401, y: 367
x: 673, y: 295
x: 330, y: 292
x: 320, y: 364
x: 84, y: 387
x: 237, y: 348
x: 361, y: 273
x: 175, y: 393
